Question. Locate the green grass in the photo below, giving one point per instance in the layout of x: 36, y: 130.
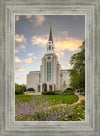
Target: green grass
x: 54, y: 99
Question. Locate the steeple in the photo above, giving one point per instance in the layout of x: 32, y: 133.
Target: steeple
x: 50, y: 35
x: 50, y: 44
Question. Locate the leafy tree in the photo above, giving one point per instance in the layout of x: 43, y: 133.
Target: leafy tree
x: 77, y: 72
x: 19, y: 89
x: 23, y: 87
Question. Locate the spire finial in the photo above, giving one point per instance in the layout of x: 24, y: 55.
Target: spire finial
x: 50, y: 35
x: 50, y: 26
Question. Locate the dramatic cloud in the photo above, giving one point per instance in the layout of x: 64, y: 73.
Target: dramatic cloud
x: 39, y: 40
x: 20, y: 68
x: 66, y: 43
x: 20, y: 38
x: 17, y: 17
x: 17, y: 60
x: 37, y: 20
x: 28, y: 60
x: 20, y: 42
x: 70, y: 44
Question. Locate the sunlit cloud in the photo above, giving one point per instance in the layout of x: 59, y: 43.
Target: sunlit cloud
x: 70, y: 44
x: 16, y: 51
x: 22, y: 46
x: 28, y: 60
x: 20, y: 42
x: 24, y: 75
x: 37, y: 20
x: 28, y: 16
x: 20, y: 77
x: 20, y: 38
x: 16, y: 78
x: 20, y: 68
x: 35, y: 58
x: 17, y: 17
x: 17, y: 60
x: 67, y: 43
x: 19, y: 47
x: 39, y: 40
x: 30, y: 54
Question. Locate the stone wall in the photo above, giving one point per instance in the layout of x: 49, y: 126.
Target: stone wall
x: 33, y: 79
x: 65, y: 79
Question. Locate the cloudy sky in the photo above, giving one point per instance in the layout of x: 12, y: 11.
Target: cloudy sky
x: 31, y: 37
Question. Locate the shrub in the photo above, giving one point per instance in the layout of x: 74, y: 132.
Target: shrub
x: 71, y: 92
x: 69, y: 89
x: 58, y: 92
x: 48, y: 93
x: 30, y: 89
x: 18, y: 92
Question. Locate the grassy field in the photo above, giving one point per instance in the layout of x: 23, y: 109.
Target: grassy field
x: 53, y: 99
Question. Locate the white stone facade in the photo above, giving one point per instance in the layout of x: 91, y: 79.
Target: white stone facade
x: 50, y: 77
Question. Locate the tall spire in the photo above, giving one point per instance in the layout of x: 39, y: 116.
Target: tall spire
x: 50, y: 44
x: 50, y: 35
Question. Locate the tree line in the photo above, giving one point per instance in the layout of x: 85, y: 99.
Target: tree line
x: 20, y: 89
x: 77, y: 73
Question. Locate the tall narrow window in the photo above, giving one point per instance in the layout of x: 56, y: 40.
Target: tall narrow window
x: 49, y: 47
x: 48, y: 71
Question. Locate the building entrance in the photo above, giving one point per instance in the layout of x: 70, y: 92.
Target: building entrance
x: 50, y: 87
x: 44, y: 87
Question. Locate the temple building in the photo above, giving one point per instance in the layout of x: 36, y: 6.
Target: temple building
x: 51, y: 76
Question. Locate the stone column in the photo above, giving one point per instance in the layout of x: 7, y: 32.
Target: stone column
x: 41, y: 87
x: 53, y: 87
x: 47, y: 87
